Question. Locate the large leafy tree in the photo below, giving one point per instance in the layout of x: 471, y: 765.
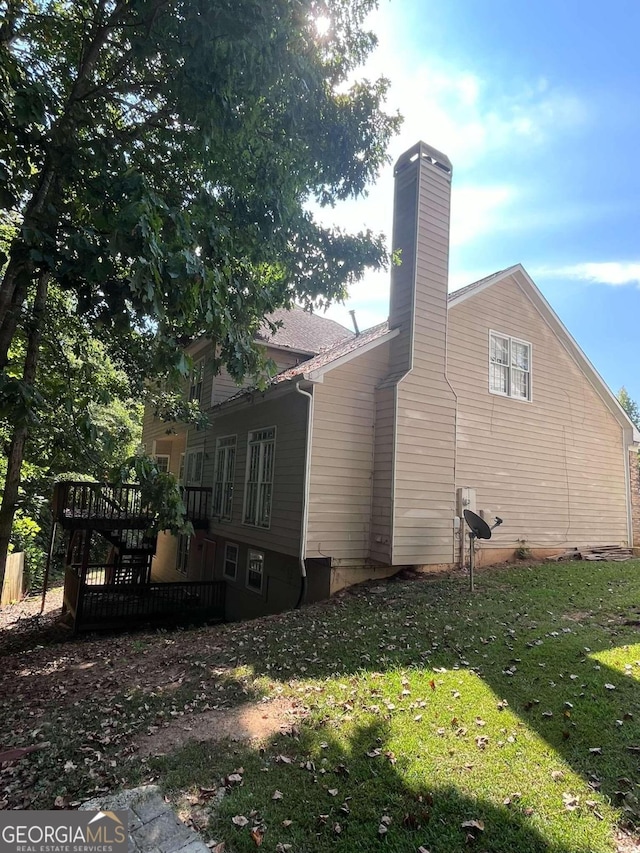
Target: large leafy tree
x: 158, y: 157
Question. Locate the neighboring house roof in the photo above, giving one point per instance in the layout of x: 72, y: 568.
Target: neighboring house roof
x: 302, y: 331
x: 355, y: 345
x: 329, y: 358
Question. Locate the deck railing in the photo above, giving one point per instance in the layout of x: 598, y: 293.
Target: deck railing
x: 197, y: 500
x: 81, y: 503
x: 106, y: 605
x: 103, y: 502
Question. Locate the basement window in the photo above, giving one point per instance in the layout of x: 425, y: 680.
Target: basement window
x: 231, y: 557
x: 255, y: 570
x: 509, y: 366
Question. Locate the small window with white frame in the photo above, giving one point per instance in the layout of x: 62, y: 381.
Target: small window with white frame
x: 223, y: 477
x: 162, y: 462
x: 195, y: 381
x: 258, y: 490
x: 255, y: 570
x: 509, y: 366
x: 231, y: 557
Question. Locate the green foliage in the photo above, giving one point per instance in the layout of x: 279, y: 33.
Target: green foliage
x: 176, y: 147
x: 26, y: 537
x: 160, y: 491
x: 630, y: 406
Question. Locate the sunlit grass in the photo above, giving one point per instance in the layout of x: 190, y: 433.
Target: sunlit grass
x: 517, y: 707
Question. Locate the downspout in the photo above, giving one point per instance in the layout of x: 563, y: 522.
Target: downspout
x: 305, y: 495
x: 628, y: 446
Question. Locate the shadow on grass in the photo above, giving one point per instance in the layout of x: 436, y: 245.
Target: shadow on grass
x: 345, y: 794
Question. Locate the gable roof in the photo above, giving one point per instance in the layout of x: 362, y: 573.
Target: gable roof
x: 526, y: 283
x: 302, y: 331
x: 340, y: 352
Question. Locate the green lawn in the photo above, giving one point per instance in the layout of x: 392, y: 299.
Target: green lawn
x: 516, y: 708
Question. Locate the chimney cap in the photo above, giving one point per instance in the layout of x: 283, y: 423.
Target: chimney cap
x: 423, y: 151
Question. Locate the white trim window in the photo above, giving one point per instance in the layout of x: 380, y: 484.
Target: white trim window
x: 195, y: 381
x: 195, y: 459
x: 255, y: 570
x: 231, y: 560
x: 261, y: 451
x: 509, y: 366
x: 224, y: 476
x: 162, y: 462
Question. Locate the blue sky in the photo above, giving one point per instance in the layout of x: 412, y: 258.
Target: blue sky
x: 538, y: 107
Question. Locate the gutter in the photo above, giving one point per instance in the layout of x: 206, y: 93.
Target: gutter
x: 305, y: 495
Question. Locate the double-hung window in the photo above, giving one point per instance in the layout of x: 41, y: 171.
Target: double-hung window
x: 224, y: 476
x: 231, y: 557
x: 509, y: 366
x: 259, y: 478
x: 255, y: 570
x: 194, y: 468
x: 195, y: 381
x: 162, y: 462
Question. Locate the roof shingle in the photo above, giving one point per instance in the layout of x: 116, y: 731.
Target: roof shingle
x: 302, y: 331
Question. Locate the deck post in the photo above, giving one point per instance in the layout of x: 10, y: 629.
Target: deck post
x: 83, y: 577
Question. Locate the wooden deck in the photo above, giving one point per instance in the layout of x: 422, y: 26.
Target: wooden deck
x: 93, y: 606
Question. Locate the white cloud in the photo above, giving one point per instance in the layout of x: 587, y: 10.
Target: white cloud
x: 614, y: 273
x: 477, y: 210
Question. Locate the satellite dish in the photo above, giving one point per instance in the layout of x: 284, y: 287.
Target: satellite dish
x: 479, y: 530
x: 478, y: 525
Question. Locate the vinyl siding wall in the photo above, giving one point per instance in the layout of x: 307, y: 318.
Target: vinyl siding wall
x: 341, y: 484
x: 552, y: 468
x: 288, y: 414
x: 218, y: 388
x: 424, y: 495
x: 382, y: 494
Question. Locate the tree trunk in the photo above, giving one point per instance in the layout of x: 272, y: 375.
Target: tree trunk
x: 21, y: 432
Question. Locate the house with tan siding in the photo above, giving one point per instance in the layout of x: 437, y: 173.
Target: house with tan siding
x: 363, y: 451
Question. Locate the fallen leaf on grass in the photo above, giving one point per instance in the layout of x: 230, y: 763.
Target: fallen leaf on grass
x: 556, y: 775
x: 283, y: 759
x: 473, y: 825
x: 240, y: 820
x: 283, y: 848
x: 609, y: 687
x: 571, y: 802
x: 277, y: 795
x: 287, y: 823
x: 595, y: 750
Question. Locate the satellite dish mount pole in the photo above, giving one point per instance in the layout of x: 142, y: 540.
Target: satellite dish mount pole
x: 479, y: 530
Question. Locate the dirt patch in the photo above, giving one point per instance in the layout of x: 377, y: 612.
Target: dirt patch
x: 627, y: 843
x: 578, y: 615
x: 244, y: 723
